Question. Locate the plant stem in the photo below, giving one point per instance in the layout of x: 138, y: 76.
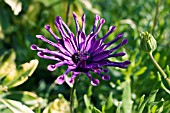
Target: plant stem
x: 159, y: 68
x: 162, y: 85
x: 72, y: 94
x: 67, y: 13
x: 156, y: 17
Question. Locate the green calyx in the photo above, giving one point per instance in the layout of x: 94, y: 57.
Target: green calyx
x: 148, y: 43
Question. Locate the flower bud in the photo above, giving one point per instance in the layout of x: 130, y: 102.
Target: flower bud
x: 148, y: 43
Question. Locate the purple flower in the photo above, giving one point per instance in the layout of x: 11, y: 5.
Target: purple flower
x: 81, y: 53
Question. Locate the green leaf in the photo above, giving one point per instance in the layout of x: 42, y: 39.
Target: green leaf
x: 87, y: 104
x: 87, y: 101
x: 95, y: 110
x: 168, y: 71
x: 140, y: 71
x: 157, y: 107
x: 152, y: 96
x: 27, y: 98
x: 15, y: 106
x: 89, y: 91
x: 108, y: 106
x: 75, y: 99
x: 126, y: 98
x: 141, y: 101
x: 118, y: 108
x: 20, y: 75
x: 7, y: 63
x: 150, y: 99
x: 59, y: 105
x: 166, y: 107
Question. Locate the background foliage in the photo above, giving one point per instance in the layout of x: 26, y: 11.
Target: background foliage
x: 137, y: 88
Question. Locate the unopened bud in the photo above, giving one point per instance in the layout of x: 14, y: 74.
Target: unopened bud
x: 148, y: 43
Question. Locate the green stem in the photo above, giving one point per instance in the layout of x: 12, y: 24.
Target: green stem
x: 67, y: 13
x: 159, y: 68
x: 72, y: 94
x: 162, y: 85
x: 157, y: 65
x: 155, y: 18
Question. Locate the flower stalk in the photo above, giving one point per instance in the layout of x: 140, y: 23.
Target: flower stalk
x: 149, y: 44
x: 159, y: 68
x: 72, y: 95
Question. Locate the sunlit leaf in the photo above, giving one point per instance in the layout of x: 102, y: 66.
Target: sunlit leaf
x: 21, y: 74
x: 140, y: 71
x: 166, y: 107
x: 150, y: 99
x: 75, y: 99
x: 7, y: 63
x: 141, y: 100
x: 15, y: 106
x: 15, y: 5
x: 87, y: 104
x: 118, y: 108
x: 87, y: 101
x: 59, y: 105
x: 126, y: 98
x: 89, y: 6
x: 168, y: 71
x: 108, y: 106
x: 28, y: 98
x: 95, y: 110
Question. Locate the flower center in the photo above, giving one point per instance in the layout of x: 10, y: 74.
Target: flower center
x: 80, y: 56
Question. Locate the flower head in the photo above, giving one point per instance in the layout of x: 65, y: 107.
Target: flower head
x: 81, y: 53
x: 148, y: 43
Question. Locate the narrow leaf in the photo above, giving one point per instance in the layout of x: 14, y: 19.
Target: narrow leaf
x: 15, y: 106
x: 7, y: 63
x: 28, y: 98
x: 20, y: 75
x: 95, y: 110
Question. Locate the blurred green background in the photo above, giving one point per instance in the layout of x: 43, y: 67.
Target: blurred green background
x: 21, y: 20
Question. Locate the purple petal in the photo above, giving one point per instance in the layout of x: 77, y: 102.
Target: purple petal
x: 102, y: 21
x: 60, y: 80
x: 95, y: 45
x: 71, y: 81
x: 95, y: 82
x: 101, y: 56
x: 68, y: 46
x: 95, y: 23
x: 118, y: 54
x: 100, y: 49
x: 33, y: 47
x: 124, y: 41
x: 55, y: 54
x: 76, y: 21
x: 41, y: 37
x: 106, y: 77
x: 111, y: 29
x: 119, y: 64
x: 89, y: 42
x: 82, y: 38
x: 47, y: 27
x: 116, y: 39
x: 93, y: 66
x: 54, y: 67
x: 42, y: 55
